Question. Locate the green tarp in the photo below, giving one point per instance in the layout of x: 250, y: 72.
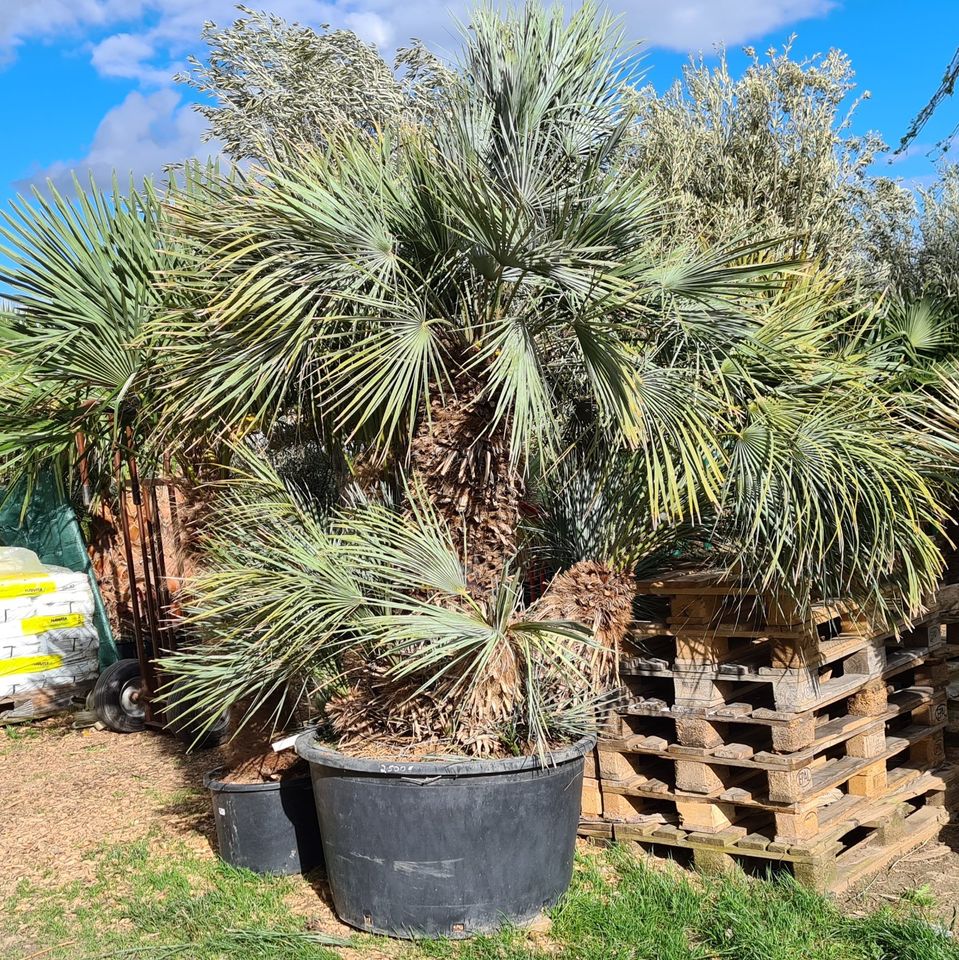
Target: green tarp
x: 50, y: 529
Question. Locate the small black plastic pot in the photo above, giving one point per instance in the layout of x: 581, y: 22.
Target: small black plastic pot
x: 445, y: 849
x: 266, y: 827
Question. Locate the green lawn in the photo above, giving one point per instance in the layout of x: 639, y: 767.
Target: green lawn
x: 148, y: 904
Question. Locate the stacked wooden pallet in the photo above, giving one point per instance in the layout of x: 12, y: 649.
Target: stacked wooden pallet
x: 747, y: 734
x: 948, y: 607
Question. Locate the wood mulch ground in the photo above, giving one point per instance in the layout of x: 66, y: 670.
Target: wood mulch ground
x: 64, y: 793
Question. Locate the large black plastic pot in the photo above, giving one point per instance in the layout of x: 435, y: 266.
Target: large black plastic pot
x: 445, y: 849
x: 266, y: 827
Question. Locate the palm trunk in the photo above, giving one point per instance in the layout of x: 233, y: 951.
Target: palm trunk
x: 463, y: 465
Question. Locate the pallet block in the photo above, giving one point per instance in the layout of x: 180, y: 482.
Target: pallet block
x: 592, y: 805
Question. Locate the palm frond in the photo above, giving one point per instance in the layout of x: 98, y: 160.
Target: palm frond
x: 288, y: 595
x: 82, y: 289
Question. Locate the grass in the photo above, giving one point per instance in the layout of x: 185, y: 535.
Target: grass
x: 159, y: 905
x: 13, y: 735
x: 154, y: 905
x: 20, y: 734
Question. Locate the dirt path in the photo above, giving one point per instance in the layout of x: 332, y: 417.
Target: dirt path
x: 64, y: 793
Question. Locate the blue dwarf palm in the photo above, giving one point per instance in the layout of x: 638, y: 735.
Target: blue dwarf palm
x: 461, y: 312
x: 456, y: 301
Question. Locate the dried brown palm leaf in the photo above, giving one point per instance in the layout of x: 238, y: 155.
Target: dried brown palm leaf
x: 599, y: 597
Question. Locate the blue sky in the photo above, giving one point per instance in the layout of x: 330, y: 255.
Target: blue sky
x: 85, y: 84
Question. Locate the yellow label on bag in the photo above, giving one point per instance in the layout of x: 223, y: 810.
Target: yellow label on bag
x: 25, y: 585
x: 39, y: 664
x: 63, y: 621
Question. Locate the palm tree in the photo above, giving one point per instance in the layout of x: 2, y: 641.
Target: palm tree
x: 81, y: 289
x: 80, y: 395
x: 482, y: 320
x: 453, y: 308
x: 481, y: 324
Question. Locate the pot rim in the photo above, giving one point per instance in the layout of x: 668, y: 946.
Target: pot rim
x: 309, y: 750
x: 212, y: 781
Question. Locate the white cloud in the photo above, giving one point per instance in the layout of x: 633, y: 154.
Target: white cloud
x: 128, y: 55
x: 146, y: 41
x: 690, y: 25
x: 373, y: 28
x: 22, y: 20
x: 137, y: 138
x: 144, y: 52
x: 173, y: 25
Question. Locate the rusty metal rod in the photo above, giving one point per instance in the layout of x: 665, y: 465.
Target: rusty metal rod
x: 174, y: 508
x: 148, y: 586
x: 159, y: 567
x: 132, y: 580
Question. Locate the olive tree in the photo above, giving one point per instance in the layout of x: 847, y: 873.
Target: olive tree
x: 275, y: 84
x: 771, y: 153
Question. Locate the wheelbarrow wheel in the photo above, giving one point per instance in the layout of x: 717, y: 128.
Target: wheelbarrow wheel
x: 117, y: 697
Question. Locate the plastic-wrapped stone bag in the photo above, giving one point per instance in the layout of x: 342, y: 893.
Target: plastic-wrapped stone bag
x: 48, y: 641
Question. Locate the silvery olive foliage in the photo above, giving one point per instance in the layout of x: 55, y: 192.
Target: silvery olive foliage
x: 935, y: 270
x: 276, y: 85
x: 917, y: 245
x: 771, y: 153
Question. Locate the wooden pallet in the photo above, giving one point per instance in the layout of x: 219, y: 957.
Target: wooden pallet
x: 755, y: 703
x: 46, y: 702
x: 594, y: 828
x: 707, y: 674
x: 861, y: 835
x: 792, y: 689
x: 711, y: 597
x: 711, y: 799
x: 779, y: 744
x: 747, y: 731
x: 654, y: 647
x: 697, y: 599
